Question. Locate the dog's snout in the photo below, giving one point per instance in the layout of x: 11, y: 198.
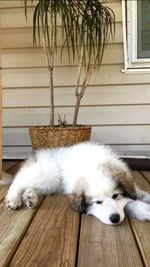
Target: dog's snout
x: 115, y: 218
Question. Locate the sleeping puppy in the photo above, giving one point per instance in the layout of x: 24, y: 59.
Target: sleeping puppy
x: 96, y: 180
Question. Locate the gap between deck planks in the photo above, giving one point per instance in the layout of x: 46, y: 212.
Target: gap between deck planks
x: 49, y: 237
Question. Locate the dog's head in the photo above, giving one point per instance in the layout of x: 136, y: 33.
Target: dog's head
x: 108, y: 205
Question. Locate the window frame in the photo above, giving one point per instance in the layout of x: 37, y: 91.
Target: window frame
x: 132, y: 63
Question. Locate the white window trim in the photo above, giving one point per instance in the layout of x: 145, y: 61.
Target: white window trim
x: 132, y: 64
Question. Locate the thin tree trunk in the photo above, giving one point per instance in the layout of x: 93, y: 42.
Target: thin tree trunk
x: 49, y: 59
x: 80, y: 94
x: 77, y: 94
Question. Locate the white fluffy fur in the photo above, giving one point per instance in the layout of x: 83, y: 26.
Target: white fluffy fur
x: 76, y: 170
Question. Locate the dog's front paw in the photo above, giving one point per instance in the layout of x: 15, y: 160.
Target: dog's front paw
x: 139, y: 210
x: 13, y: 202
x: 146, y: 213
x: 30, y: 198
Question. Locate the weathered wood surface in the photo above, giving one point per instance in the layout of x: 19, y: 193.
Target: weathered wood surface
x: 141, y: 230
x: 13, y: 225
x: 51, y: 235
x: 102, y: 245
x: 146, y: 175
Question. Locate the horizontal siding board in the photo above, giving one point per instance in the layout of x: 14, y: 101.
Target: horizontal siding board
x: 65, y: 96
x: 96, y: 115
x: 31, y: 57
x: 17, y: 3
x: 12, y: 38
x: 10, y: 3
x: 103, y: 134
x: 22, y: 151
x: 15, y: 18
x: 66, y: 76
x: 132, y: 150
x: 16, y: 152
x: 137, y: 134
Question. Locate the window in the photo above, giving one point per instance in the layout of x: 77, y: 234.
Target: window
x: 136, y: 33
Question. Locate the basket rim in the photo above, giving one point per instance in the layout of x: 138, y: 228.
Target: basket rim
x: 57, y: 127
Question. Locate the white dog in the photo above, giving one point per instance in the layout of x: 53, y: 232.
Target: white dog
x: 96, y: 180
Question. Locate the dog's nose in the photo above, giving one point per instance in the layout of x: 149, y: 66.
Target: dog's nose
x: 115, y: 218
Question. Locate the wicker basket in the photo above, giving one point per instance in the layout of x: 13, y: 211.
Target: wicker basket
x: 45, y: 136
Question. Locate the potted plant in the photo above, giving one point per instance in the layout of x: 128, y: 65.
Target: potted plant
x: 86, y: 27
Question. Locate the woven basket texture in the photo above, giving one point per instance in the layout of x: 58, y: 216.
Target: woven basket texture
x: 48, y: 137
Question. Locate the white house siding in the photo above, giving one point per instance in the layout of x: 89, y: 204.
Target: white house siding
x: 117, y: 105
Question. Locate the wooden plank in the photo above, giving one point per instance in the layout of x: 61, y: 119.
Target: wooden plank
x: 146, y: 174
x: 124, y: 134
x: 66, y: 76
x: 141, y: 229
x: 65, y: 96
x: 105, y: 246
x: 104, y: 134
x: 15, y: 18
x: 21, y: 152
x: 141, y: 182
x: 0, y: 115
x: 13, y: 226
x: 17, y: 3
x: 11, y: 167
x: 10, y: 3
x: 132, y: 149
x: 3, y: 191
x: 8, y: 164
x: 31, y: 57
x: 96, y: 95
x: 95, y: 237
x: 51, y: 239
x: 16, y: 152
x: 95, y: 115
x: 12, y: 38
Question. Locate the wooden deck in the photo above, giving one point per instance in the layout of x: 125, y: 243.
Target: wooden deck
x: 54, y: 235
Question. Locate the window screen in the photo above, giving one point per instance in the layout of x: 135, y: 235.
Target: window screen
x: 143, y: 28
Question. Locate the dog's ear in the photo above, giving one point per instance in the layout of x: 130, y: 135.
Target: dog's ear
x: 125, y: 182
x: 123, y: 177
x: 79, y: 202
x: 127, y: 185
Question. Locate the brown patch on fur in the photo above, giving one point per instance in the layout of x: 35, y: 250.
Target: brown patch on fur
x: 79, y: 202
x: 123, y: 177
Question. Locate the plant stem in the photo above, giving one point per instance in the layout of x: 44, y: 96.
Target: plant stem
x: 50, y: 64
x: 77, y: 94
x: 80, y: 94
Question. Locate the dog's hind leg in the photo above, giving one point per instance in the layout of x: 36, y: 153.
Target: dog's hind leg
x: 26, y: 178
x: 139, y: 210
x: 13, y: 198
